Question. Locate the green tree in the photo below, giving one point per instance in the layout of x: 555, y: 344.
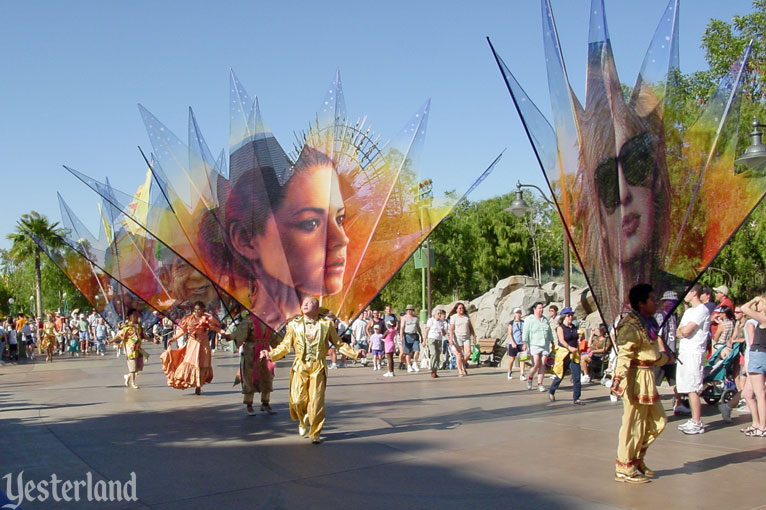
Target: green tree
x: 24, y: 247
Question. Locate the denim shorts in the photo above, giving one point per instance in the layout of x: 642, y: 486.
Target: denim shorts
x: 756, y: 363
x: 411, y: 343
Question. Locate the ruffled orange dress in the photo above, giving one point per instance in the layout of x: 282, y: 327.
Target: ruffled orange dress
x: 191, y: 366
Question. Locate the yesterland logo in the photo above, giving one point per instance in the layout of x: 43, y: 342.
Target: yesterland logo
x: 65, y: 490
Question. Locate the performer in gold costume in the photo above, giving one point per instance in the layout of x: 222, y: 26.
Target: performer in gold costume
x: 48, y: 336
x: 256, y: 374
x: 643, y: 418
x: 131, y: 333
x: 310, y: 336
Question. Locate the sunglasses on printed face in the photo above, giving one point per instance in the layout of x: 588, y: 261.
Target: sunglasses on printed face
x: 637, y: 160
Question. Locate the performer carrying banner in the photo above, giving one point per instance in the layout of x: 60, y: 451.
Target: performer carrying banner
x: 256, y: 374
x: 310, y: 336
x: 643, y: 418
x: 192, y: 365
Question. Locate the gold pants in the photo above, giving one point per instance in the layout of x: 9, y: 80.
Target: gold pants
x: 308, y: 381
x: 641, y: 424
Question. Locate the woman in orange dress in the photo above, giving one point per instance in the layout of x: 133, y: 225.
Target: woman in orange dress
x: 191, y: 366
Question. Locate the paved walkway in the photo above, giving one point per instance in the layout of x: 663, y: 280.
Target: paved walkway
x: 407, y: 443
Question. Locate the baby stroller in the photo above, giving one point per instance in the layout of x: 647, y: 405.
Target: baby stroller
x: 719, y: 375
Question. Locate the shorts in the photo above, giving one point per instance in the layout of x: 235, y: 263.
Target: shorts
x: 362, y: 345
x: 378, y: 352
x: 537, y: 349
x: 514, y: 351
x: 756, y: 363
x: 665, y: 372
x: 689, y: 372
x: 136, y: 365
x: 411, y: 343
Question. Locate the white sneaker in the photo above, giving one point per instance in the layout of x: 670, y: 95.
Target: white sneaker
x: 332, y: 366
x: 725, y: 412
x: 388, y: 374
x: 522, y: 377
x: 685, y: 424
x: 694, y: 428
x: 681, y: 409
x: 540, y: 388
x: 410, y: 369
x: 302, y: 430
x: 415, y: 367
x: 529, y: 384
x: 743, y: 410
x: 585, y: 379
x: 510, y: 376
x: 614, y: 398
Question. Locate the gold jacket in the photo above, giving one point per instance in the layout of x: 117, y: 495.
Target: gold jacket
x: 315, y: 349
x: 637, y: 356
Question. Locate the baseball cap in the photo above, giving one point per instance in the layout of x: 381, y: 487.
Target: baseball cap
x: 517, y: 309
x: 723, y: 289
x: 566, y: 311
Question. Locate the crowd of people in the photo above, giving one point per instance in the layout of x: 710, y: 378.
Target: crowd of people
x: 708, y: 329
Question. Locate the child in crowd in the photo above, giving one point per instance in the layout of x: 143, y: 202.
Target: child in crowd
x: 390, y: 347
x: 376, y: 345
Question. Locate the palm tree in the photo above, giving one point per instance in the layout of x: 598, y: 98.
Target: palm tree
x: 24, y: 246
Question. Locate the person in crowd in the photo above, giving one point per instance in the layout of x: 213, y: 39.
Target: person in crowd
x: 101, y: 336
x: 27, y: 339
x: 599, y: 346
x: 754, y: 393
x: 435, y: 331
x: 359, y: 335
x: 692, y: 334
x: 724, y: 334
x: 668, y: 322
x: 409, y: 330
x: 191, y: 366
x: 309, y: 336
x: 83, y: 330
x: 744, y: 329
x: 376, y: 343
x: 515, y: 342
x: 462, y: 336
x: 568, y: 351
x: 390, y: 347
x: 643, y: 417
x: 538, y: 337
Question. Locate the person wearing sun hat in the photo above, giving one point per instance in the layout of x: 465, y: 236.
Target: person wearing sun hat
x: 722, y: 296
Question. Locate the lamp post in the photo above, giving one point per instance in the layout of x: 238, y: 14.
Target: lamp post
x: 425, y: 192
x: 519, y: 207
x: 66, y: 308
x: 755, y: 154
x: 10, y: 305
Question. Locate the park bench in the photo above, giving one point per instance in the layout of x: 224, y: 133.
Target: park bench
x: 489, y: 347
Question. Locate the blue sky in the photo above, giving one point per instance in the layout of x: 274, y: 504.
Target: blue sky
x: 71, y: 74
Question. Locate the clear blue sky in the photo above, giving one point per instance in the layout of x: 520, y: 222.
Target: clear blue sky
x: 71, y: 74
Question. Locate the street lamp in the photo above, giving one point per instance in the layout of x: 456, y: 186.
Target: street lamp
x: 425, y: 192
x: 66, y: 308
x: 755, y: 154
x: 519, y: 207
x: 10, y: 305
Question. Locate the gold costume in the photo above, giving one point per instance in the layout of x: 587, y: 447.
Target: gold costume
x: 310, y: 339
x: 48, y: 337
x: 643, y: 418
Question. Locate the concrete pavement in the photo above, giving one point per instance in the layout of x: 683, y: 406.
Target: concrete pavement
x: 409, y: 442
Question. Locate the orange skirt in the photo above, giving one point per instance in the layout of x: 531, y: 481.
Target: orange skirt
x: 187, y: 367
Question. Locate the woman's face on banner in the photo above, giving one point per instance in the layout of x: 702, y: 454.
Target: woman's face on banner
x: 626, y: 197
x: 308, y: 226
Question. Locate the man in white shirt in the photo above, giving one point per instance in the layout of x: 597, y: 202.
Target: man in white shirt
x: 692, y: 335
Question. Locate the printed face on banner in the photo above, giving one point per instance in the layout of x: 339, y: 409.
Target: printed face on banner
x: 645, y: 197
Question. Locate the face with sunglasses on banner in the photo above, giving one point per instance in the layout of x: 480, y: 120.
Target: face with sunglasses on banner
x: 624, y: 206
